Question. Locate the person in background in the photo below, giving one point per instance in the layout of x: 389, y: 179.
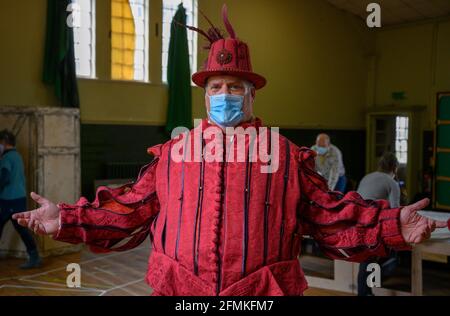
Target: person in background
x: 380, y: 185
x: 329, y: 163
x: 13, y: 194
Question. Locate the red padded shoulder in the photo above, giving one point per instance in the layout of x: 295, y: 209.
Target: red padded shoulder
x: 155, y: 150
x: 307, y: 157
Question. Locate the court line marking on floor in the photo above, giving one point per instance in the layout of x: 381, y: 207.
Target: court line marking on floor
x: 123, y: 265
x: 104, y: 271
x: 108, y: 282
x: 28, y: 278
x: 48, y: 288
x: 82, y: 289
x: 81, y: 262
x: 62, y: 285
x: 93, y: 275
x: 119, y: 287
x: 123, y: 286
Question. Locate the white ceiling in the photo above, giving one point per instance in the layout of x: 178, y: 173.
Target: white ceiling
x: 397, y: 11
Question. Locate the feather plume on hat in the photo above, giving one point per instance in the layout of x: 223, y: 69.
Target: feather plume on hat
x: 227, y: 56
x: 213, y: 34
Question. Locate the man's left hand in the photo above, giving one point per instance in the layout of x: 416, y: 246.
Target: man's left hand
x: 416, y: 228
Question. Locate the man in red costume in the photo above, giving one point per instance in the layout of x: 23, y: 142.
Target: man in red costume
x: 221, y: 227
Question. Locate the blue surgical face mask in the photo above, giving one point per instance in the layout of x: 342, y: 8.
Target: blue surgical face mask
x: 321, y: 150
x: 226, y: 109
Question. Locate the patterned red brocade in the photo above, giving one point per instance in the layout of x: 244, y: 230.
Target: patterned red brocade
x: 225, y: 228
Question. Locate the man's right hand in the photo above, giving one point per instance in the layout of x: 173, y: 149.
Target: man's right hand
x: 43, y: 220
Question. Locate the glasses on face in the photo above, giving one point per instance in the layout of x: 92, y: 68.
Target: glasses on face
x: 224, y: 87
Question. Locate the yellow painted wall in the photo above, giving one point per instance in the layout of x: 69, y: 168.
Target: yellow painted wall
x: 414, y: 59
x: 22, y: 27
x: 313, y: 55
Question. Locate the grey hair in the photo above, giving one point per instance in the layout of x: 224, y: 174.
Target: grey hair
x: 248, y: 86
x: 326, y: 136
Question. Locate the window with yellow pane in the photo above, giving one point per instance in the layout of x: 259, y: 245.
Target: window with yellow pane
x: 129, y: 40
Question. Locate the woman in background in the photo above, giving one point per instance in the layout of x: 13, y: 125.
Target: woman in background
x: 380, y: 185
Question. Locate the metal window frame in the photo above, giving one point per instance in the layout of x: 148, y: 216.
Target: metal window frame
x: 92, y: 29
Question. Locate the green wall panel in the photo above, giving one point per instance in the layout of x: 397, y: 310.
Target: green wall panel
x: 443, y: 137
x: 443, y: 158
x: 443, y: 192
x: 443, y: 165
x: 444, y: 108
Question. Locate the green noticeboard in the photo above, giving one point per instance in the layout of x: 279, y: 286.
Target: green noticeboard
x: 443, y: 193
x: 442, y: 189
x: 444, y: 108
x: 443, y: 167
x: 443, y: 136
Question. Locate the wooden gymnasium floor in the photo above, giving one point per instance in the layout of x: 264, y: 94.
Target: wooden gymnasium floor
x: 112, y: 274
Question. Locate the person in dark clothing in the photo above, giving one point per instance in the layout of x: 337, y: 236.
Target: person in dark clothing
x: 380, y: 185
x: 13, y: 195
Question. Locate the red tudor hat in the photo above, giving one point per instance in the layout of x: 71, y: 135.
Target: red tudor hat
x: 227, y: 56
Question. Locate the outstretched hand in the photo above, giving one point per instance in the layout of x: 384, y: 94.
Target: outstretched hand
x: 43, y: 220
x: 416, y: 228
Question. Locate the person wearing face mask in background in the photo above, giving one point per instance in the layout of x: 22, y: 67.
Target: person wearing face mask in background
x: 329, y: 163
x: 13, y: 194
x: 380, y: 185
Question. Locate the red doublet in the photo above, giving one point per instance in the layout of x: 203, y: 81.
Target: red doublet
x: 226, y: 228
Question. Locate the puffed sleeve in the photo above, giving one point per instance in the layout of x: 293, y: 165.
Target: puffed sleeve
x: 118, y: 219
x: 346, y: 227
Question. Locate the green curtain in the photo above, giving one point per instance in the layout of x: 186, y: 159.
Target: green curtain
x: 59, y: 62
x: 179, y: 75
x: 443, y: 157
